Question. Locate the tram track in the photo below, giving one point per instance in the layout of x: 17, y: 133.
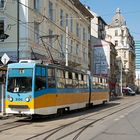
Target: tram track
x: 96, y: 114
x: 12, y: 125
x: 110, y: 111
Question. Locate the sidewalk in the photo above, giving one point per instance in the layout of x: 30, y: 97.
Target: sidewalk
x: 3, y: 115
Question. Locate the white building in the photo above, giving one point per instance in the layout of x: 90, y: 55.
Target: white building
x: 118, y: 33
x: 37, y: 30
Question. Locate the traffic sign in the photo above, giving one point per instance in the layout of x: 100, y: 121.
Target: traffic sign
x: 5, y: 58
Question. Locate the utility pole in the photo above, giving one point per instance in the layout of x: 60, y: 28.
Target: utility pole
x: 18, y: 30
x: 2, y: 99
x: 67, y: 46
x: 121, y: 77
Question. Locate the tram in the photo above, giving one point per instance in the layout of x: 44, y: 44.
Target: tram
x: 37, y: 89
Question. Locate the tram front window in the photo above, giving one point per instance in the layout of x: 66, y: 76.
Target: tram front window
x: 19, y: 84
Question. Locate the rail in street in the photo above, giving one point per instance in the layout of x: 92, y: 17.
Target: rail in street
x: 70, y: 126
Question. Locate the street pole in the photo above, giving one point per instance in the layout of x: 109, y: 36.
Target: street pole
x: 121, y: 79
x: 66, y: 46
x: 18, y: 30
x: 2, y: 99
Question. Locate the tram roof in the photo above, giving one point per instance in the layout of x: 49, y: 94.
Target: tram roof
x: 32, y: 65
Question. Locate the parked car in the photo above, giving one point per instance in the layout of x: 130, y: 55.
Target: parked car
x: 128, y: 91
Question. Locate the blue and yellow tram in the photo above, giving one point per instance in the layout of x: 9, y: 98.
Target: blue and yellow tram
x: 33, y: 88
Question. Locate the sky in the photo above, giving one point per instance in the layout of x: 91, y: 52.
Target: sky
x: 130, y: 9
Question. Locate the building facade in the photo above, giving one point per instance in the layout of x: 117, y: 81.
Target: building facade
x: 54, y: 31
x: 98, y: 26
x: 118, y: 33
x: 103, y: 56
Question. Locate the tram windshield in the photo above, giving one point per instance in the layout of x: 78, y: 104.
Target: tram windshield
x: 19, y: 84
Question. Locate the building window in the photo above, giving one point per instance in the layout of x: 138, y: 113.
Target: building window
x: 1, y: 26
x: 84, y: 34
x: 116, y: 42
x: 50, y: 10
x: 116, y: 32
x: 37, y: 5
x: 71, y: 46
x: 77, y: 48
x: 36, y: 32
x: 50, y: 38
x: 2, y: 3
x: 67, y: 20
x: 122, y: 32
x: 123, y: 43
x: 77, y: 30
x: 124, y: 54
x: 124, y: 65
x: 84, y: 54
x: 80, y: 33
x: 71, y: 24
x: 61, y: 18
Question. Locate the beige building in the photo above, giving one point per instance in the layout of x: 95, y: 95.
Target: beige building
x: 55, y: 31
x: 118, y: 33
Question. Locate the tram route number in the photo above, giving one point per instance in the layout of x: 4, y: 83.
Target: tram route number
x: 18, y: 99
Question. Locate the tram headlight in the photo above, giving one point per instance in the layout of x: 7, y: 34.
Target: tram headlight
x: 11, y: 99
x: 27, y: 99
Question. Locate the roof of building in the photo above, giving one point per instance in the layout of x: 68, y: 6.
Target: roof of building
x: 97, y: 16
x: 118, y: 20
x: 82, y: 8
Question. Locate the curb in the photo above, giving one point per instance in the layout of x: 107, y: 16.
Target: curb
x: 3, y: 115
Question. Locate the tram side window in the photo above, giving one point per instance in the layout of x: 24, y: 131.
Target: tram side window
x: 69, y: 83
x: 96, y: 83
x: 81, y: 81
x: 40, y: 80
x: 85, y: 81
x: 51, y: 78
x: 75, y: 80
x: 99, y: 83
x: 60, y: 78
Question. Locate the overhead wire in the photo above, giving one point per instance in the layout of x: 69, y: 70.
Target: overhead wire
x: 21, y: 22
x: 59, y: 27
x: 29, y: 27
x: 54, y: 24
x: 9, y: 16
x: 44, y: 17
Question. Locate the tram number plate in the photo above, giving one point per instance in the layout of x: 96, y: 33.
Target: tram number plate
x: 18, y: 99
